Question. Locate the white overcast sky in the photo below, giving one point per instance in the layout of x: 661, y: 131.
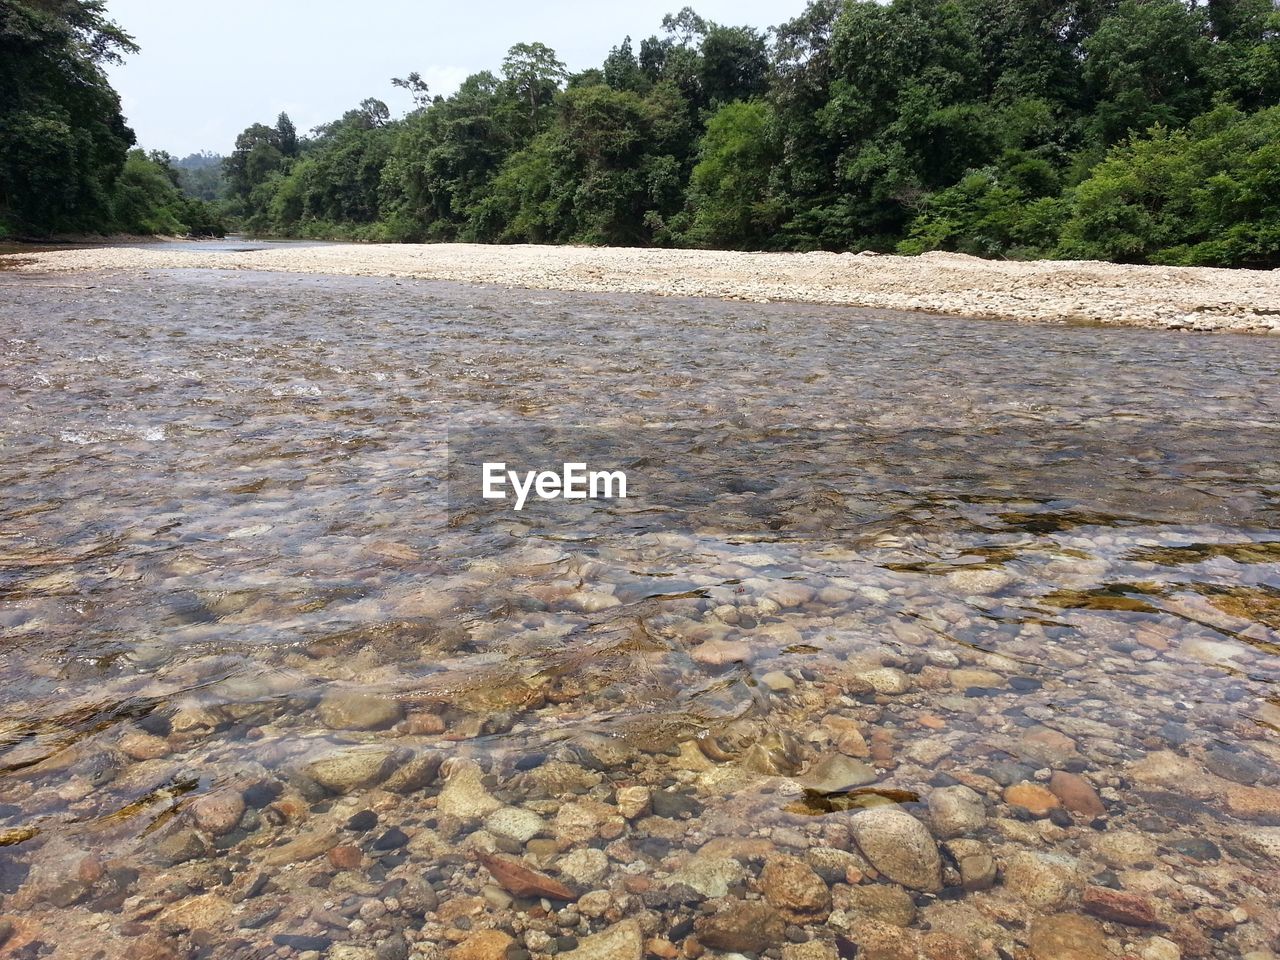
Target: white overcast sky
x: 210, y: 68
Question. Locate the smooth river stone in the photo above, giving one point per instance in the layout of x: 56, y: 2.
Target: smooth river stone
x: 622, y: 941
x: 899, y: 846
x: 836, y: 773
x: 1067, y: 937
x: 1076, y: 794
x: 220, y: 812
x: 1253, y: 803
x: 956, y: 811
x: 739, y: 925
x: 793, y: 888
x: 352, y: 769
x: 1032, y: 797
x: 351, y: 710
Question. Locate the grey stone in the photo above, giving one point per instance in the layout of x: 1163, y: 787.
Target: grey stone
x: 899, y: 846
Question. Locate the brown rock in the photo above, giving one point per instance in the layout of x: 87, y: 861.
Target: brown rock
x: 90, y: 870
x: 977, y: 865
x: 964, y: 678
x: 1037, y: 800
x: 1152, y: 641
x: 424, y: 724
x: 346, y: 857
x: 144, y: 746
x: 945, y: 946
x: 811, y: 950
x: 1044, y: 880
x: 515, y: 877
x: 633, y: 801
x: 353, y: 710
x: 1211, y: 918
x: 179, y: 847
x: 1118, y: 906
x: 353, y: 767
x: 205, y: 912
x: 219, y: 812
x: 883, y: 747
x: 1253, y: 803
x: 881, y: 902
x: 68, y: 893
x: 1067, y: 936
x: 741, y: 925
x: 1190, y: 939
x: 719, y: 653
x: 308, y: 846
x: 622, y: 941
x: 483, y: 945
x: 1047, y: 746
x: 853, y: 744
x: 152, y: 948
x: 882, y: 941
x: 1076, y: 794
x: 794, y: 889
x: 452, y: 909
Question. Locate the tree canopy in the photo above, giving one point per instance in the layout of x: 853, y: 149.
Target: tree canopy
x: 1004, y: 128
x: 1137, y: 130
x: 65, y: 161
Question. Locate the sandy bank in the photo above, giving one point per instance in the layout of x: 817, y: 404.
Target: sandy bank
x: 1044, y: 291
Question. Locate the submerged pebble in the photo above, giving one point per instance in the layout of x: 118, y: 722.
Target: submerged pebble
x: 959, y: 640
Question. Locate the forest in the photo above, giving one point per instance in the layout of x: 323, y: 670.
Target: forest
x: 1143, y: 131
x: 68, y: 164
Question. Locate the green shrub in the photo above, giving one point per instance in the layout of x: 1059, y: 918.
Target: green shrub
x: 1206, y: 195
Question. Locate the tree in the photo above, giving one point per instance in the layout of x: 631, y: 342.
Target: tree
x: 622, y: 71
x: 417, y: 88
x: 1146, y: 65
x: 256, y: 156
x: 994, y: 127
x: 340, y: 178
x: 286, y: 136
x: 63, y: 140
x: 730, y: 189
x: 534, y: 74
x: 1204, y: 195
x: 610, y: 169
x: 685, y: 27
x: 444, y: 159
x: 735, y: 64
x: 200, y: 176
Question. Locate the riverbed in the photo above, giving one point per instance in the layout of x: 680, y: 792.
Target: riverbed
x: 937, y: 637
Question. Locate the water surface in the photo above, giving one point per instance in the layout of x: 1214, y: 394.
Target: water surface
x: 955, y: 552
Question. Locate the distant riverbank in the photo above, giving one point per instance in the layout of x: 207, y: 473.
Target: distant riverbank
x: 1039, y: 291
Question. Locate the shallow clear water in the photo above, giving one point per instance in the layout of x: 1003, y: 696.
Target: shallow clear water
x: 953, y: 552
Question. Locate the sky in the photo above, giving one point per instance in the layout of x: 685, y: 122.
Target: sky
x: 208, y: 70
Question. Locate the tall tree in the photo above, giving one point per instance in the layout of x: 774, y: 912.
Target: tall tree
x: 534, y: 74
x: 63, y: 139
x: 286, y: 136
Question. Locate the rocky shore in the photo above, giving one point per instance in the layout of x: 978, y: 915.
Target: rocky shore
x: 1042, y: 291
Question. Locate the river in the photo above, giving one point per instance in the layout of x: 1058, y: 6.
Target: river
x: 947, y: 638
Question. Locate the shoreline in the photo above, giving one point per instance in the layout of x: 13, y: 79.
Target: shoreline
x: 1078, y: 292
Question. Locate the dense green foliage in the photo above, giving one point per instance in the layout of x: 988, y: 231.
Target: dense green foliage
x: 65, y: 160
x: 1206, y: 195
x: 200, y: 176
x: 1137, y: 130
